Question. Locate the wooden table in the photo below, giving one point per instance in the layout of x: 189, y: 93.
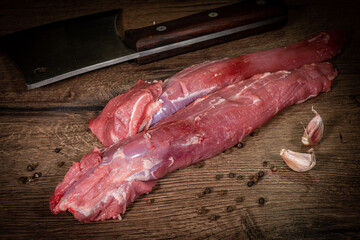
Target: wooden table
x: 320, y: 204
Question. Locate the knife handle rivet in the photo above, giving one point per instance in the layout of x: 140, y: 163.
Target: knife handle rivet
x: 260, y: 2
x: 213, y: 14
x: 161, y: 28
x: 40, y: 70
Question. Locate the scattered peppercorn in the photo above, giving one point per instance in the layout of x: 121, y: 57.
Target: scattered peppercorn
x: 223, y: 192
x: 264, y: 163
x: 207, y: 190
x: 202, y: 210
x: 32, y: 178
x: 273, y: 168
x: 57, y: 150
x: 250, y: 183
x: 23, y: 180
x: 261, y: 174
x: 219, y: 176
x: 253, y: 134
x: 228, y: 151
x: 255, y: 178
x: 232, y: 175
x: 240, y: 145
x: 199, y: 164
x: 240, y: 177
x: 150, y: 201
x: 37, y: 175
x: 229, y: 209
x: 60, y: 164
x: 214, y: 217
x: 239, y: 199
x: 261, y: 201
x: 31, y: 167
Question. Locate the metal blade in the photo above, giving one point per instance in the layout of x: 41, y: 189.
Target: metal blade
x: 64, y: 49
x: 72, y: 47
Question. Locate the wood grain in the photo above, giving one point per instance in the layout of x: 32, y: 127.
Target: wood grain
x: 320, y: 204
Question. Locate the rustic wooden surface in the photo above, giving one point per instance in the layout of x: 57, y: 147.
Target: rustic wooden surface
x: 320, y: 204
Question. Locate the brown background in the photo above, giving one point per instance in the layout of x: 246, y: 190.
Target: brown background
x: 320, y: 204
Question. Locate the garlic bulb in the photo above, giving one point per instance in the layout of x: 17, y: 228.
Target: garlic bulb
x: 314, y: 130
x: 299, y: 162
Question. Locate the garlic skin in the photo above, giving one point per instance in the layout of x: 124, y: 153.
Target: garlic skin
x: 299, y: 162
x: 314, y: 130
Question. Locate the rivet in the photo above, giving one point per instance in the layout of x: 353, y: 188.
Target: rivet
x: 161, y: 28
x: 213, y: 14
x: 40, y: 70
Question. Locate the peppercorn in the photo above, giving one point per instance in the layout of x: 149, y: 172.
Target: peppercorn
x: 60, y: 164
x: 37, y: 175
x: 231, y: 175
x: 23, y: 180
x: 253, y: 134
x: 32, y: 167
x: 202, y: 210
x: 240, y: 177
x: 261, y: 201
x: 264, y: 163
x: 199, y: 164
x: 250, y: 183
x: 207, y: 190
x: 219, y: 176
x: 261, y: 174
x: 239, y: 199
x: 239, y: 145
x: 229, y: 209
x: 273, y: 168
x: 57, y: 150
x: 31, y: 179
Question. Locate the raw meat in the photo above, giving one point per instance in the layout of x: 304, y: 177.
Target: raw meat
x: 202, y: 79
x: 127, y: 113
x: 108, y: 179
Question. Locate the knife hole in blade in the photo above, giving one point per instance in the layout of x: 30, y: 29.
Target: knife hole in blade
x: 40, y: 70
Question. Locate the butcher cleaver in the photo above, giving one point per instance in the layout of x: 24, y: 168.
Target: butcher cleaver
x: 60, y: 50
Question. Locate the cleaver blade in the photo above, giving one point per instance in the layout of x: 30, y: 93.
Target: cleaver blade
x: 61, y: 50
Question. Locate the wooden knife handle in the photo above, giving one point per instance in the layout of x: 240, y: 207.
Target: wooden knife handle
x: 216, y: 20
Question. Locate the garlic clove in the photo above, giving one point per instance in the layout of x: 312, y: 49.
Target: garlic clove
x: 314, y: 130
x: 299, y: 162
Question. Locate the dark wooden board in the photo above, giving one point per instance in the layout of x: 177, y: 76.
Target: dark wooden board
x: 320, y: 204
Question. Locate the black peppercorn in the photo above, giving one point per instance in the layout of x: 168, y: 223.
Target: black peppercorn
x: 229, y: 209
x: 240, y: 145
x: 219, y: 176
x: 214, y: 217
x: 207, y: 190
x: 202, y: 210
x: 250, y: 183
x: 231, y: 175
